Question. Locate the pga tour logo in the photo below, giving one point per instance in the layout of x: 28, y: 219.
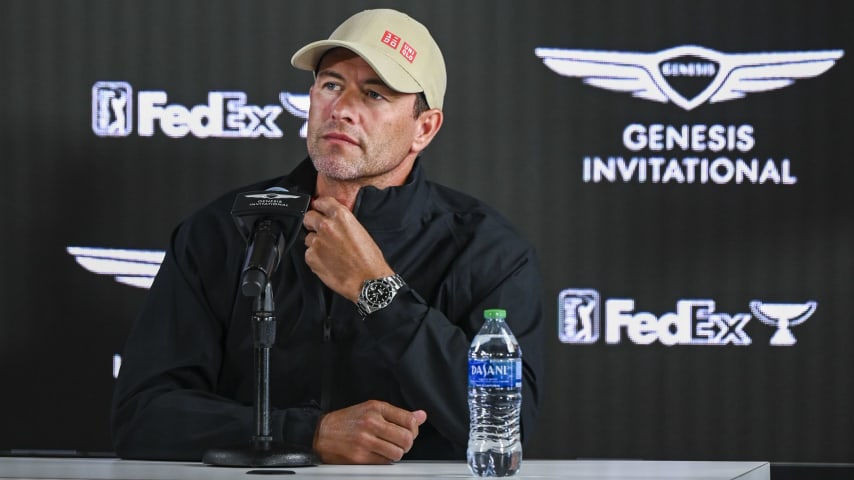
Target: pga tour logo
x: 227, y: 114
x: 694, y: 321
x: 112, y: 109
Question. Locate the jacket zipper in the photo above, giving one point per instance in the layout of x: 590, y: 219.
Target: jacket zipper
x: 327, y: 352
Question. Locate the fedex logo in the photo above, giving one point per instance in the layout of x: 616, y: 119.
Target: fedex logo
x: 227, y: 114
x: 694, y: 322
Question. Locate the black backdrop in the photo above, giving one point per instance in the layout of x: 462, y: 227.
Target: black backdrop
x: 517, y: 134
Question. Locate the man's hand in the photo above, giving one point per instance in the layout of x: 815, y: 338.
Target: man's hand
x: 339, y: 249
x: 372, y: 432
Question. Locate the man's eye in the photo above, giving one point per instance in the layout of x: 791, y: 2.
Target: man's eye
x: 331, y: 86
x: 375, y: 95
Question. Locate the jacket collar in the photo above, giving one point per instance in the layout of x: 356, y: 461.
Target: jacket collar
x: 389, y: 209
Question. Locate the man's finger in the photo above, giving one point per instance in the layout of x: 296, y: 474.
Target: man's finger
x: 309, y: 221
x: 401, y: 417
x: 420, y: 417
x: 393, y: 441
x: 326, y: 205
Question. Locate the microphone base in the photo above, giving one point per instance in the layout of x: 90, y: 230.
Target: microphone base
x: 269, y: 455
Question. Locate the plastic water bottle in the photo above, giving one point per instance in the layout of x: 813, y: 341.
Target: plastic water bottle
x: 495, y: 398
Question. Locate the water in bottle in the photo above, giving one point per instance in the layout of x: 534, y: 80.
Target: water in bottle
x: 495, y: 398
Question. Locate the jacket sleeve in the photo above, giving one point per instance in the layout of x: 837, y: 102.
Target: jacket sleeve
x: 429, y: 341
x: 165, y: 403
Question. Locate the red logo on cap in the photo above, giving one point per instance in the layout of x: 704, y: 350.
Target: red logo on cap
x: 391, y: 39
x: 408, y: 52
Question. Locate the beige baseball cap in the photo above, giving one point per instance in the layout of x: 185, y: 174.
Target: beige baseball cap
x: 397, y: 47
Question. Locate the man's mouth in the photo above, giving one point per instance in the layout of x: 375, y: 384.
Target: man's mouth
x: 340, y: 137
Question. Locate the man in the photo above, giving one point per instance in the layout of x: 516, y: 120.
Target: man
x: 357, y: 380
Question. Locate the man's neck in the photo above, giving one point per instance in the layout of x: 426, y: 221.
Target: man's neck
x: 346, y: 191
x: 343, y: 191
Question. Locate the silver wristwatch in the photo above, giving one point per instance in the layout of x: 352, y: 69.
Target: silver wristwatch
x: 378, y: 293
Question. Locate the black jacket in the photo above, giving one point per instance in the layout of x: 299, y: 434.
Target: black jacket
x: 186, y: 382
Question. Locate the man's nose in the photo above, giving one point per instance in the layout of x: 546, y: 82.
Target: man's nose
x: 344, y: 107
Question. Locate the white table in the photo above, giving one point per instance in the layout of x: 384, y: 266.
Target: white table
x: 114, y: 469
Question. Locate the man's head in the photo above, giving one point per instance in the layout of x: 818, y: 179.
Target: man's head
x: 365, y: 126
x: 399, y: 49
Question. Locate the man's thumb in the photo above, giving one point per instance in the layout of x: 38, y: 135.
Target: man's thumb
x: 420, y: 417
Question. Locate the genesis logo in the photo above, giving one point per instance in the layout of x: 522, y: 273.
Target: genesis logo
x: 694, y: 321
x: 688, y: 75
x: 227, y: 114
x: 272, y: 196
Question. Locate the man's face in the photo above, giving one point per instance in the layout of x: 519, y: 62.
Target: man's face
x: 358, y: 128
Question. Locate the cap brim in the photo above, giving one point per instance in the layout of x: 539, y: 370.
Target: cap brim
x: 307, y: 58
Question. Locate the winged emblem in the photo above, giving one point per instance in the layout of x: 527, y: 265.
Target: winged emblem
x: 136, y: 268
x: 272, y: 196
x: 734, y: 74
x: 297, y: 105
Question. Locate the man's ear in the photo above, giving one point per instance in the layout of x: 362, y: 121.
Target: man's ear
x: 429, y: 123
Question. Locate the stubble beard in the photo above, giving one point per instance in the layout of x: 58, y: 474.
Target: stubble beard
x: 332, y: 160
x: 346, y: 163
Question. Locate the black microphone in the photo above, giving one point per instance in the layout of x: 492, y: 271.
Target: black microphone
x: 269, y: 220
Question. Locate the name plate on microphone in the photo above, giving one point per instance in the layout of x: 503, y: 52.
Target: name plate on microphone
x: 275, y: 203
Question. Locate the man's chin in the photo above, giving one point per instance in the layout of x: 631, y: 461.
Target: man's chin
x: 336, y: 169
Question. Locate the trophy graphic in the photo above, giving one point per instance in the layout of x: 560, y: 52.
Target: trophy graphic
x: 782, y: 316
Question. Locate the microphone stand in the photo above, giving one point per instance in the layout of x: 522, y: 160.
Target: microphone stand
x: 262, y: 451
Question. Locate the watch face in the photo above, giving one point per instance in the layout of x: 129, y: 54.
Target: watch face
x: 378, y: 294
